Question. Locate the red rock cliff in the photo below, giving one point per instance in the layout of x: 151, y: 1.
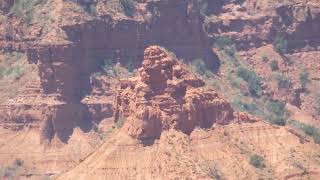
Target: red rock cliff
x: 166, y: 95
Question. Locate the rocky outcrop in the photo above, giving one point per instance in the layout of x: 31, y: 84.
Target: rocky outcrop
x: 65, y: 68
x: 121, y: 40
x: 298, y: 23
x: 302, y: 24
x: 166, y: 95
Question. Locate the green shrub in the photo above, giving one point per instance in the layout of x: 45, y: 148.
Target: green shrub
x: 130, y: 66
x: 17, y: 8
x: 276, y: 107
x: 17, y: 72
x: 280, y: 121
x: 10, y: 172
x: 264, y: 58
x: 99, y: 131
x: 24, y: 9
x: 276, y: 113
x: 203, y: 5
x: 200, y: 66
x: 214, y: 173
x: 274, y: 65
x: 313, y: 132
x: 304, y: 78
x: 257, y: 161
x: 128, y: 7
x: 250, y: 107
x: 252, y: 79
x: 309, y: 130
x: 120, y: 122
x: 88, y: 5
x: 280, y: 44
x: 235, y: 81
x: 223, y: 41
x: 108, y: 68
x: 230, y: 51
x: 283, y: 82
x: 18, y: 162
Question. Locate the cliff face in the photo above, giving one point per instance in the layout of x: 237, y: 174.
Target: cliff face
x: 257, y: 24
x: 302, y: 24
x: 65, y: 69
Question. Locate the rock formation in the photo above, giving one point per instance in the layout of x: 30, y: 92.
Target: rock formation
x: 166, y: 95
x: 65, y: 68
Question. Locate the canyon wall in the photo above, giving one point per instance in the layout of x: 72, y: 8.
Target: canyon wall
x: 65, y: 69
x: 253, y: 27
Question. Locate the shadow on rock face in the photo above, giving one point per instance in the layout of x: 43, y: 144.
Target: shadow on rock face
x: 64, y: 119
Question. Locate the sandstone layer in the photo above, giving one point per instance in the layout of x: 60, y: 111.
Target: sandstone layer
x: 65, y: 68
x: 166, y: 95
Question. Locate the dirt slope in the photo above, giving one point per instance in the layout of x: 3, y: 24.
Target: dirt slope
x: 223, y: 151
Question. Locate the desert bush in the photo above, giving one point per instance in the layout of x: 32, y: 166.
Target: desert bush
x: 14, y: 71
x: 230, y: 51
x: 276, y: 112
x: 18, y: 162
x: 99, y: 131
x: 283, y: 82
x: 128, y: 7
x: 264, y: 58
x: 24, y: 9
x: 10, y: 172
x: 274, y: 65
x: 17, y: 72
x: 234, y: 81
x: 276, y: 107
x: 223, y: 41
x: 257, y: 161
x: 308, y: 130
x: 213, y: 82
x: 88, y: 5
x: 214, y: 173
x: 120, y: 122
x: 278, y: 120
x: 252, y: 79
x: 304, y: 78
x: 280, y: 44
x: 130, y: 66
x: 17, y: 8
x: 203, y: 5
x: 250, y: 107
x: 200, y: 66
x: 108, y: 68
